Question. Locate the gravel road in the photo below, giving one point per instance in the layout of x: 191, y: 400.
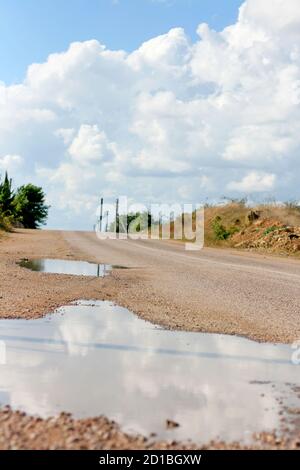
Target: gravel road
x: 212, y: 290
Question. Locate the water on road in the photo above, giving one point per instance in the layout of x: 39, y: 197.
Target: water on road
x: 96, y: 358
x: 59, y: 266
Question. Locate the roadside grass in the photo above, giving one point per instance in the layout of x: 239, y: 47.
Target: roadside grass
x: 270, y: 230
x: 5, y: 227
x: 221, y: 222
x: 269, y: 227
x: 288, y: 213
x: 5, y: 224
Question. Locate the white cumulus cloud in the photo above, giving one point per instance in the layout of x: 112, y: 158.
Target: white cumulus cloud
x: 201, y: 119
x: 254, y: 182
x: 90, y: 146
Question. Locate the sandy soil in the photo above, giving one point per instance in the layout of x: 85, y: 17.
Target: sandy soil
x: 165, y: 285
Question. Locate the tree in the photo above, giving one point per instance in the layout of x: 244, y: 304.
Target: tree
x: 6, y: 197
x: 30, y: 208
x: 133, y: 222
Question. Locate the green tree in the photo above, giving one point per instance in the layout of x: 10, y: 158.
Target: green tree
x: 134, y: 222
x: 30, y: 207
x: 139, y: 222
x: 6, y: 197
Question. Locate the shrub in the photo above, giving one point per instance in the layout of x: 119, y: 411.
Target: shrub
x: 5, y: 223
x: 220, y: 231
x: 270, y: 230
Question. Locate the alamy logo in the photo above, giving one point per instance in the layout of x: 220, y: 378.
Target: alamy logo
x: 122, y: 221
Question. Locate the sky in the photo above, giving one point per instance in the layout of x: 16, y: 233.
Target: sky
x: 159, y: 100
x: 30, y: 30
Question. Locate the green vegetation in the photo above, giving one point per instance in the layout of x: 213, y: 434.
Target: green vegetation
x: 133, y: 223
x: 270, y: 230
x: 6, y: 197
x: 24, y: 207
x: 231, y: 216
x: 220, y: 231
x: 269, y: 227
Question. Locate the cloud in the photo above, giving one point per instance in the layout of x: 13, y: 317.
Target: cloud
x: 273, y: 15
x: 172, y: 118
x: 90, y: 146
x: 254, y: 182
x: 10, y: 163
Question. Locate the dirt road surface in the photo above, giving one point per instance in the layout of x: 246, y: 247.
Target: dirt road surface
x: 213, y: 290
x: 223, y: 291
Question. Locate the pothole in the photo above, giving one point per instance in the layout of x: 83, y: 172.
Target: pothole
x: 59, y: 266
x: 95, y: 358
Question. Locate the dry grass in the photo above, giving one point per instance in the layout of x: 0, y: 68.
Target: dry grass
x: 286, y: 214
x: 231, y: 215
x: 235, y: 216
x: 276, y: 228
x: 5, y: 224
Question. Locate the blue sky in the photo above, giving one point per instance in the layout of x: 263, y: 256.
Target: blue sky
x: 32, y: 29
x: 194, y: 114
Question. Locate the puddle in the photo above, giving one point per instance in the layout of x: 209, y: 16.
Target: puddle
x: 95, y: 358
x: 59, y: 266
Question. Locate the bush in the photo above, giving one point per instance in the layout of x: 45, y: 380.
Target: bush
x: 270, y: 230
x: 220, y: 231
x: 5, y: 223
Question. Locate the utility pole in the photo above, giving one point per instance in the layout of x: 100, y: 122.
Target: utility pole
x: 101, y: 214
x: 117, y: 217
x: 106, y: 225
x: 160, y: 225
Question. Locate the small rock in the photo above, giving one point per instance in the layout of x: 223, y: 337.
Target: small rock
x: 172, y: 424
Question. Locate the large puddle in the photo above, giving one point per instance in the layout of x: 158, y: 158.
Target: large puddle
x: 59, y: 266
x: 96, y: 358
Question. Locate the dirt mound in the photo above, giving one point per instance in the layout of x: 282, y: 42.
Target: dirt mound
x: 269, y: 235
x: 272, y: 228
